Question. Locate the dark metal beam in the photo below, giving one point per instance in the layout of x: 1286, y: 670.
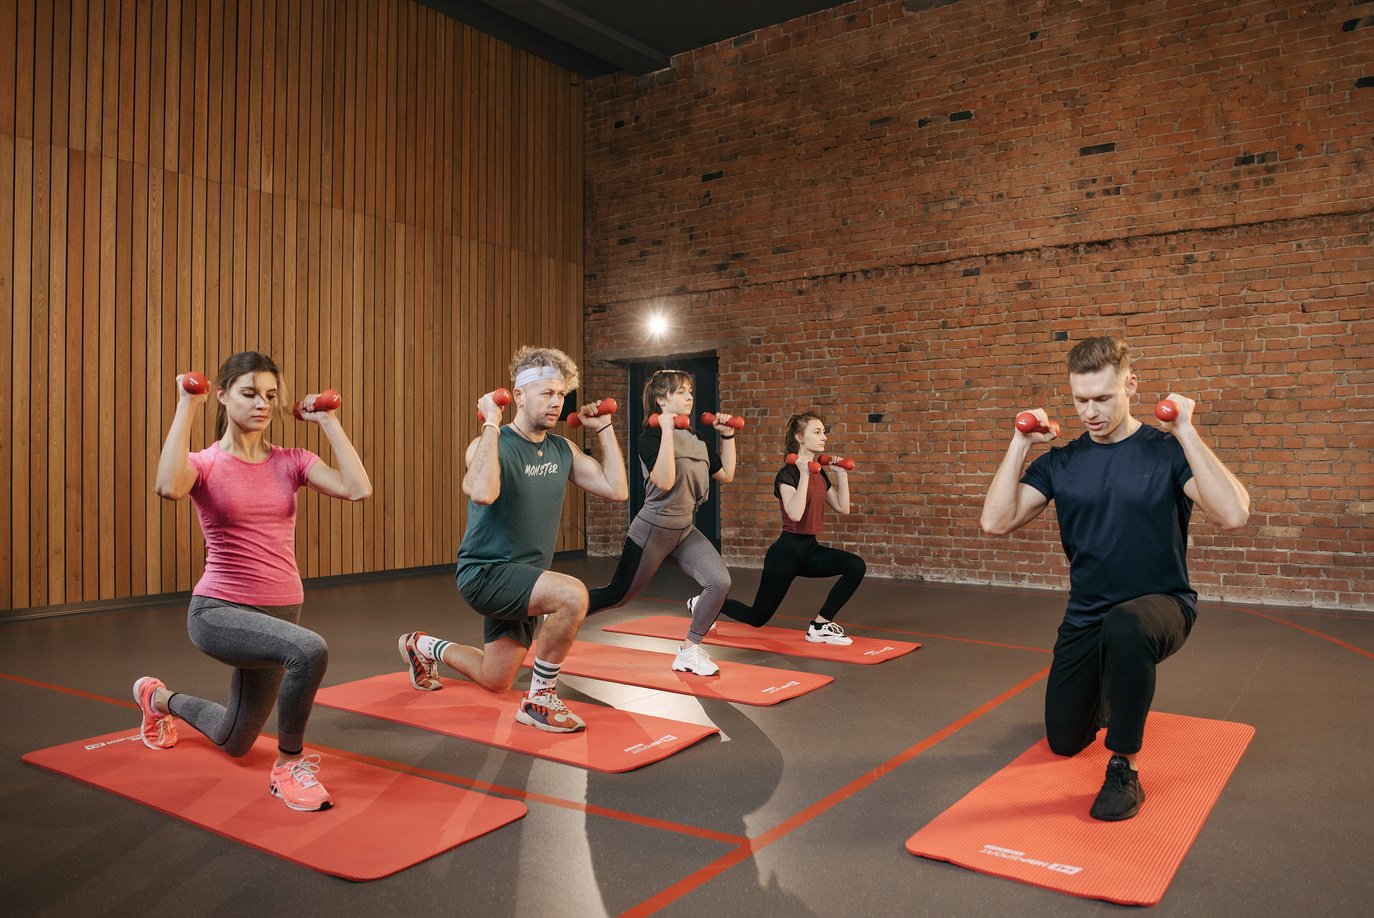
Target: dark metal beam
x: 556, y: 32
x: 597, y: 38
x: 514, y: 32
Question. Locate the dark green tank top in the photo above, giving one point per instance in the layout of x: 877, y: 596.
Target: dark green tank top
x: 522, y: 524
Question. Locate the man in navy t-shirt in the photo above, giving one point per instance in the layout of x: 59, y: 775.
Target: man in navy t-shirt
x: 1124, y: 493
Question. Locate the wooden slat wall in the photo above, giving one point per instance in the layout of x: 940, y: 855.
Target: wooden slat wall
x: 386, y: 201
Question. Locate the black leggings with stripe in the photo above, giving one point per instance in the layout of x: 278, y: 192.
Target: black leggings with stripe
x: 275, y: 661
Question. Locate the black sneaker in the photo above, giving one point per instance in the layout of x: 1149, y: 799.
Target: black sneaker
x: 1121, y: 793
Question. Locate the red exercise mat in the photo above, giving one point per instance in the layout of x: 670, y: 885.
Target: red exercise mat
x: 790, y: 642
x: 741, y: 682
x: 614, y: 740
x: 382, y: 821
x: 1030, y: 821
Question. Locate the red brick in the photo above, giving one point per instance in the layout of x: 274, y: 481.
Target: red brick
x: 923, y: 270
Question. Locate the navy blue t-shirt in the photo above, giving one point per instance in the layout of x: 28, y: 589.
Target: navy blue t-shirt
x: 1123, y: 519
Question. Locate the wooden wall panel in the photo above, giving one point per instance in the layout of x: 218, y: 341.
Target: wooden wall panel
x: 386, y: 201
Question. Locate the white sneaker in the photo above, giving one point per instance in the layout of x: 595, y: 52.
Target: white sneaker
x: 692, y: 658
x: 829, y: 633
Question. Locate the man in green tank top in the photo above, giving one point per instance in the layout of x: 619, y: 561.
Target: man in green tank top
x: 515, y: 480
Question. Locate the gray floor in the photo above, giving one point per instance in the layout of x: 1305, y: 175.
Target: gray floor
x: 1290, y: 835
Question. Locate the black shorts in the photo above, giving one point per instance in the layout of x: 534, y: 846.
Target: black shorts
x: 501, y: 594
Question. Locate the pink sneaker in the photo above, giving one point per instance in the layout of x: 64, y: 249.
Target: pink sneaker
x: 295, y: 783
x: 159, y: 731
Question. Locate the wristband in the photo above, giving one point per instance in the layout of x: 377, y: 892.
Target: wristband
x: 724, y: 437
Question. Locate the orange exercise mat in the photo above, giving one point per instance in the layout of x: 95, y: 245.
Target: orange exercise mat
x: 790, y: 642
x: 1030, y: 821
x: 382, y: 821
x: 614, y: 741
x: 741, y: 682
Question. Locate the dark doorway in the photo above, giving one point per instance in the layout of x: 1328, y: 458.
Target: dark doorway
x: 703, y: 370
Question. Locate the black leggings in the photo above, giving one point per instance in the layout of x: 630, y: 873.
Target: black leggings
x: 793, y: 556
x: 1105, y: 673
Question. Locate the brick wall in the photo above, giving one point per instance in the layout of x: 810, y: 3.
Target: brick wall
x: 904, y: 214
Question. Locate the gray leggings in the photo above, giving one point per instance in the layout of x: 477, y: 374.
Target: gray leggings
x: 645, y: 551
x: 268, y: 650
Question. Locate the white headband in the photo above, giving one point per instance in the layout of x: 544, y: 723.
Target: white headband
x: 535, y: 374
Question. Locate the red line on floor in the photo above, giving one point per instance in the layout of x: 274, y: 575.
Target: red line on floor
x: 1325, y: 637
x: 1351, y: 615
x: 849, y: 626
x: 68, y: 691
x: 787, y: 826
x: 589, y: 809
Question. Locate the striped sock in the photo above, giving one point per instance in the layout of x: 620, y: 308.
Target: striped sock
x: 431, y: 647
x: 544, y: 677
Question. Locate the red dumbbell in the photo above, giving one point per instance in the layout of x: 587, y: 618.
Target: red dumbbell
x: 1027, y: 422
x: 1166, y: 410
x: 328, y: 400
x: 813, y: 466
x: 195, y: 383
x: 501, y: 397
x: 709, y: 419
x: 680, y: 421
x: 604, y: 407
x: 847, y: 464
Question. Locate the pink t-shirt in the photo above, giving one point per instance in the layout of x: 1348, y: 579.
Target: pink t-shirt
x: 248, y: 514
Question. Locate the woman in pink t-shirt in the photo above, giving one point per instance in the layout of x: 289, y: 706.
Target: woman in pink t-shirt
x: 802, y: 497
x: 245, y: 608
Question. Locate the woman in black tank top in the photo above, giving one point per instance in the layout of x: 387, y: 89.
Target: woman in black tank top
x: 803, y: 495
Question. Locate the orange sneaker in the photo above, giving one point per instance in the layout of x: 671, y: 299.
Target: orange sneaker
x: 547, y: 712
x: 424, y: 671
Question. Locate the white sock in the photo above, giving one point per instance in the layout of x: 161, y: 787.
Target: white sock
x: 544, y: 677
x: 430, y: 646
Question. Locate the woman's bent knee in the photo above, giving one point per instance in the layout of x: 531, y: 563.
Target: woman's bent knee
x: 314, y: 652
x: 239, y: 746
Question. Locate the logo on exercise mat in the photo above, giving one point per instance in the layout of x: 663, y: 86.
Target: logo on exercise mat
x: 637, y: 748
x: 122, y: 739
x: 1011, y: 854
x: 778, y: 688
x: 874, y: 653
